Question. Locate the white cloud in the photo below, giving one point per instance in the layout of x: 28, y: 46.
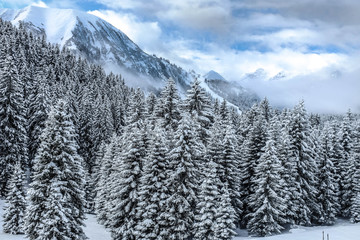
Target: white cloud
x: 209, y: 15
x: 306, y: 40
x: 40, y: 4
x: 15, y: 3
x: 146, y: 34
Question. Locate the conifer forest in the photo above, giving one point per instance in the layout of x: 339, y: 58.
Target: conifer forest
x: 75, y: 140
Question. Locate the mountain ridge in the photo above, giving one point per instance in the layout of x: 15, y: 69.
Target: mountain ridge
x: 96, y: 40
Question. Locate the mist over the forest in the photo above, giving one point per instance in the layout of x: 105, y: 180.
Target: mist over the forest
x: 323, y: 92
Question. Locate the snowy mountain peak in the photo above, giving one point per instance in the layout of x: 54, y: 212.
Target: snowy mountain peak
x: 58, y: 24
x: 95, y: 40
x: 212, y: 75
x: 260, y: 73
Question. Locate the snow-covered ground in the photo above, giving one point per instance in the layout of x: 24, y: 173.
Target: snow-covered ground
x: 342, y: 230
x: 93, y: 230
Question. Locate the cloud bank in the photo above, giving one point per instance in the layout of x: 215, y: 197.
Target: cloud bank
x: 303, y: 38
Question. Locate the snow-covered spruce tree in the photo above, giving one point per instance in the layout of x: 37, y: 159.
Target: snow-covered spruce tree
x: 126, y: 183
x: 222, y: 150
x: 56, y: 194
x: 184, y: 160
x: 303, y: 200
x: 12, y: 121
x: 252, y: 149
x: 151, y: 104
x: 327, y: 196
x: 125, y: 179
x: 91, y: 186
x: 136, y: 112
x: 336, y: 156
x: 355, y: 198
x: 225, y: 217
x: 215, y: 147
x: 102, y: 128
x: 208, y: 203
x: 287, y: 166
x: 198, y: 105
x: 266, y: 203
x: 265, y: 109
x: 224, y: 113
x: 38, y: 105
x: 229, y: 166
x: 345, y: 164
x: 104, y: 184
x: 14, y: 210
x: 153, y: 191
x: 167, y: 110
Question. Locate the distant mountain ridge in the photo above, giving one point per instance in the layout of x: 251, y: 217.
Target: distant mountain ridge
x: 101, y: 43
x: 233, y: 92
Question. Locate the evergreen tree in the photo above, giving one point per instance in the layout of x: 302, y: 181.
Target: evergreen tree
x: 92, y: 190
x: 265, y: 109
x: 198, y: 105
x: 56, y: 196
x: 305, y: 169
x: 288, y: 170
x: 104, y: 184
x: 224, y: 113
x: 252, y: 149
x: 327, y: 190
x: 225, y: 217
x: 229, y: 166
x: 184, y: 160
x: 267, y: 204
x: 151, y: 104
x: 335, y: 154
x: 36, y: 115
x: 126, y: 184
x: 14, y: 210
x: 207, y: 204
x: 355, y: 198
x: 12, y: 121
x: 153, y: 191
x: 345, y: 164
x: 136, y: 111
x: 168, y: 107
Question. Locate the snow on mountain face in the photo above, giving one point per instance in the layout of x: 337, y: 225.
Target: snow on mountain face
x: 233, y: 92
x: 96, y: 40
x: 212, y: 75
x: 101, y: 43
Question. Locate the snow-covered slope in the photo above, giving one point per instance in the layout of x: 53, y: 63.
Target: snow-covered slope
x: 212, y: 75
x: 233, y: 92
x: 96, y: 40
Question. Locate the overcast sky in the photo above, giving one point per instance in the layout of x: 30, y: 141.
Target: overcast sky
x: 314, y: 43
